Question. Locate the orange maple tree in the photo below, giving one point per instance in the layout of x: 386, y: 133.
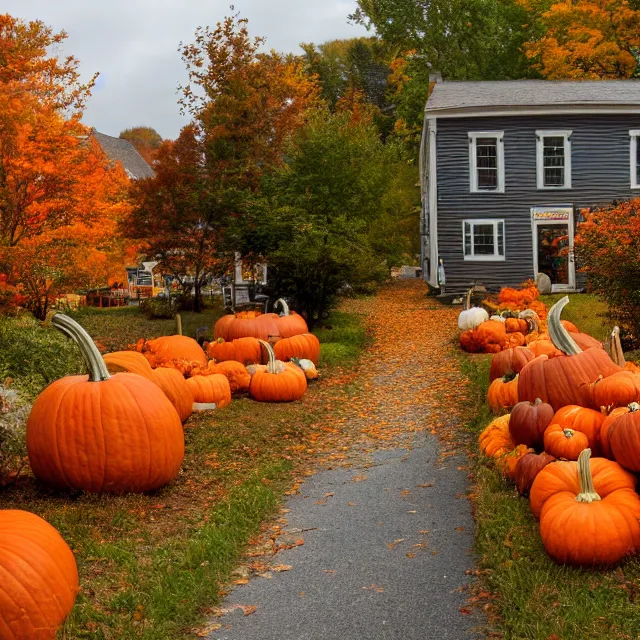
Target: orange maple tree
x: 585, y: 39
x: 57, y: 189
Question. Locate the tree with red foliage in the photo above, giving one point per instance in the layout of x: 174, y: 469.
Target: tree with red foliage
x: 607, y: 246
x: 244, y: 106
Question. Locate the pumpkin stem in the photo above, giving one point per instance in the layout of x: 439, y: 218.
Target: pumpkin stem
x: 634, y: 406
x: 467, y: 300
x: 568, y: 433
x: 283, y: 303
x: 559, y: 335
x: 271, y: 365
x: 96, y: 366
x: 587, y: 490
x: 532, y: 318
x: 614, y: 348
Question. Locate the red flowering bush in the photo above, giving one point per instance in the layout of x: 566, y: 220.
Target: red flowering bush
x: 607, y: 247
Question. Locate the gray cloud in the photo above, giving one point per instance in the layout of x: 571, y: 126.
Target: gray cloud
x: 134, y: 46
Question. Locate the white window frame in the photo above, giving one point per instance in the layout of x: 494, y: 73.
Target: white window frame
x: 496, y: 257
x: 473, y: 168
x: 633, y: 157
x: 553, y: 133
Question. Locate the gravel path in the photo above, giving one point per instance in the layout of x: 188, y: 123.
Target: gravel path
x: 378, y: 547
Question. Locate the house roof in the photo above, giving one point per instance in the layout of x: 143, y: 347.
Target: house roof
x: 124, y: 152
x: 523, y: 97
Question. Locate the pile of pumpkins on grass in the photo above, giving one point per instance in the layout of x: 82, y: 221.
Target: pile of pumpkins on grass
x: 119, y: 430
x: 571, y: 441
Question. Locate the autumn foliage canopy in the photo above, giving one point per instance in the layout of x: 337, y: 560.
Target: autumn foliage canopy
x: 59, y: 198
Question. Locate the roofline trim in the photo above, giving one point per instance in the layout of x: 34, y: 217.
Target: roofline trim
x: 503, y: 110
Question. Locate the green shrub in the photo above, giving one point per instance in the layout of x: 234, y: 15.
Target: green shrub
x: 159, y: 307
x: 33, y: 356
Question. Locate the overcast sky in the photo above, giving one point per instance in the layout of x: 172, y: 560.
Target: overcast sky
x: 133, y: 44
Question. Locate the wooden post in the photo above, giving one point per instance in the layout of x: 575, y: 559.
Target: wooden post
x: 178, y: 324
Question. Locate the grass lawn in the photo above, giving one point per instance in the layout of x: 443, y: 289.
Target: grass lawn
x: 588, y: 312
x: 531, y: 596
x: 151, y: 565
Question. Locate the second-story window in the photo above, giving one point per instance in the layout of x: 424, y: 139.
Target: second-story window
x: 486, y: 161
x: 553, y: 159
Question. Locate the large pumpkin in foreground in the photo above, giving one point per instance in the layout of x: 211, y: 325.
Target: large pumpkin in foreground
x: 581, y: 527
x: 565, y: 379
x: 38, y: 577
x: 103, y: 433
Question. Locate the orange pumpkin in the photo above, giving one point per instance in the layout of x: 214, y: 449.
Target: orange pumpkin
x: 168, y: 348
x: 210, y: 389
x: 290, y: 323
x: 488, y: 337
x: 495, y: 440
x: 503, y: 393
x: 624, y: 438
x: 562, y: 442
x: 581, y: 419
x: 242, y: 325
x: 583, y: 528
x: 175, y: 387
x: 103, y: 433
x: 128, y: 361
x: 509, y: 360
x: 563, y: 476
x: 542, y: 347
x: 515, y: 339
x: 244, y: 350
x: 516, y: 325
x: 617, y: 390
x: 277, y: 382
x: 570, y: 327
x: 39, y: 577
x: 605, y: 430
x: 305, y: 346
x: 235, y: 372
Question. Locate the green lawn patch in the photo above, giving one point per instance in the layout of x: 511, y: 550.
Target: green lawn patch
x: 153, y: 565
x: 588, y: 312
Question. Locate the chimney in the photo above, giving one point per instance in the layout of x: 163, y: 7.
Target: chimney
x: 435, y: 76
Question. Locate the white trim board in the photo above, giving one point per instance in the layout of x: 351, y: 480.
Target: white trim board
x: 433, y: 204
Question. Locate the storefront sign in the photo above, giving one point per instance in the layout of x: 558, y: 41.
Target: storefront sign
x: 540, y: 213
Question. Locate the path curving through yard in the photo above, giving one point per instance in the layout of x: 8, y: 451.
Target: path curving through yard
x: 377, y: 543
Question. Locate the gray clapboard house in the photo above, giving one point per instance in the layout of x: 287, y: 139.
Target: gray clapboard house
x: 506, y: 168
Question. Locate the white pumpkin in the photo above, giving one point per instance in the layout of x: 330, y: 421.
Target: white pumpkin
x: 471, y: 317
x: 498, y: 318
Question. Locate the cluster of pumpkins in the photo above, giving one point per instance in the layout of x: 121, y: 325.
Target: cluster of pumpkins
x: 119, y: 430
x: 516, y: 321
x: 565, y: 406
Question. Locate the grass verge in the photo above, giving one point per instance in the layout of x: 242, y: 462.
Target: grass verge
x: 532, y: 597
x: 153, y: 565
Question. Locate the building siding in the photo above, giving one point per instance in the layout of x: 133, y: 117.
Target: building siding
x: 600, y: 148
